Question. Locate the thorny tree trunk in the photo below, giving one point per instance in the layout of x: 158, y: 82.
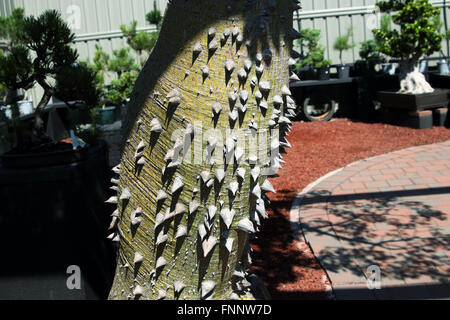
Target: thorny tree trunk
x: 184, y: 213
x: 411, y: 79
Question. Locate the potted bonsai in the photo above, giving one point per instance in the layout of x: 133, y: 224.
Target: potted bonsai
x: 118, y: 93
x: 370, y: 57
x: 38, y: 48
x: 51, y: 192
x: 314, y: 59
x: 416, y: 37
x: 341, y: 44
x: 123, y: 66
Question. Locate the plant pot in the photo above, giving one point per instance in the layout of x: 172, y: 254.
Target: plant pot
x: 423, y: 67
x: 7, y: 110
x: 25, y: 107
x: 413, y: 102
x: 443, y: 67
x: 362, y: 68
x: 390, y: 68
x: 307, y: 73
x: 107, y: 115
x: 57, y: 219
x: 43, y: 159
x: 343, y: 72
x: 323, y: 73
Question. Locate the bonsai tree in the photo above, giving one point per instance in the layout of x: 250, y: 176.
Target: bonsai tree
x: 77, y: 83
x: 122, y: 62
x: 125, y: 70
x: 181, y: 222
x: 142, y: 42
x: 417, y: 37
x: 342, y: 43
x: 315, y: 53
x: 154, y: 17
x: 100, y: 67
x: 38, y: 50
x: 370, y: 52
x: 12, y: 27
x: 120, y: 89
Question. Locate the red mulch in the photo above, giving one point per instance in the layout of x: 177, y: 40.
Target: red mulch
x: 289, y: 269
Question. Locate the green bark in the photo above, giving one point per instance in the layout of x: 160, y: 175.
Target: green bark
x: 185, y: 215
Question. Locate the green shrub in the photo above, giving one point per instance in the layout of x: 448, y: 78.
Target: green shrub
x: 315, y: 53
x: 342, y: 43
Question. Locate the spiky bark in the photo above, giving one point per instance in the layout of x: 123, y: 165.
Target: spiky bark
x: 215, y: 88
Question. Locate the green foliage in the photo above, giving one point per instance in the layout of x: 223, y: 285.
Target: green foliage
x: 370, y: 52
x: 154, y: 17
x: 315, y: 53
x: 11, y: 27
x: 126, y: 70
x: 447, y: 35
x: 139, y: 41
x: 122, y: 62
x: 16, y: 69
x: 120, y: 90
x: 386, y: 23
x: 3, y: 92
x: 342, y: 43
x: 77, y: 82
x: 39, y: 47
x: 100, y: 66
x: 418, y: 34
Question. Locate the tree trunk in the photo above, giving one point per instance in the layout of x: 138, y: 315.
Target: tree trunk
x: 208, y: 114
x: 412, y: 81
x: 38, y: 126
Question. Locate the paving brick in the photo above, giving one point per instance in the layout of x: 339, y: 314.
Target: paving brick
x: 400, y: 182
x: 376, y: 184
x: 389, y: 211
x: 361, y: 178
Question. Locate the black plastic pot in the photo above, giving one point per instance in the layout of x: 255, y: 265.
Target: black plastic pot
x: 323, y: 73
x: 107, y: 115
x: 47, y: 159
x: 344, y: 72
x: 53, y: 217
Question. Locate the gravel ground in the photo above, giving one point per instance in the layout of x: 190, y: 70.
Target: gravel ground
x: 288, y: 268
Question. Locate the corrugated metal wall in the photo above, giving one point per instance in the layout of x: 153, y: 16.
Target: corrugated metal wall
x: 95, y: 21
x: 98, y: 21
x: 334, y: 17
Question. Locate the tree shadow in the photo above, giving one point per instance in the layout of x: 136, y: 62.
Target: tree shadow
x: 275, y: 256
x: 405, y: 237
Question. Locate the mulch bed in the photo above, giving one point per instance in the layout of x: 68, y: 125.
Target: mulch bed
x: 287, y: 267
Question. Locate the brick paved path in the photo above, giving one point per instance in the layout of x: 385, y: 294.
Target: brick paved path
x: 392, y: 211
